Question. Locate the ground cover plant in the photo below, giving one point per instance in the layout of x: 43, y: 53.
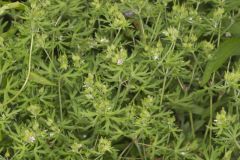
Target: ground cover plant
x: 120, y: 79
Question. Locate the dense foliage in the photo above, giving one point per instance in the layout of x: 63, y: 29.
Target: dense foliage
x: 120, y: 79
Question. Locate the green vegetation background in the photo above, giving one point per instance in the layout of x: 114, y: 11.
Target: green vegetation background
x: 120, y: 79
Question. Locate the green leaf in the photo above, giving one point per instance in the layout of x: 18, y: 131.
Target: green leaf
x: 235, y: 29
x: 14, y: 5
x: 40, y: 80
x: 227, y: 49
x: 232, y: 4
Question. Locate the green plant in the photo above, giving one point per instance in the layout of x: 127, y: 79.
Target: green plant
x: 119, y: 79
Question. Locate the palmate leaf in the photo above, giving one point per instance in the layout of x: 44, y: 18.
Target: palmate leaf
x: 227, y: 49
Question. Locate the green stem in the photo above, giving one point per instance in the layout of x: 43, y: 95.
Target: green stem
x: 191, y: 122
x: 163, y: 58
x: 60, y: 99
x: 155, y: 27
x: 27, y: 78
x: 211, y: 119
x: 139, y: 149
x: 237, y: 144
x: 125, y: 149
x: 119, y: 30
x: 143, y: 36
x: 163, y: 87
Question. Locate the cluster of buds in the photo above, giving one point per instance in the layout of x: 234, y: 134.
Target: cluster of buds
x: 77, y: 60
x: 63, y: 60
x: 232, y: 79
x: 118, y: 56
x: 94, y: 89
x: 34, y: 110
x: 29, y: 136
x: 104, y: 146
x: 206, y: 48
x: 188, y: 42
x: 154, y: 52
x: 218, y: 14
x: 103, y: 105
x: 223, y: 121
x: 117, y: 18
x: 76, y: 147
x: 172, y: 34
x: 144, y: 118
x: 96, y: 4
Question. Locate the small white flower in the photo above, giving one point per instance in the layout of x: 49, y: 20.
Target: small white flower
x: 183, y: 153
x: 61, y: 38
x: 76, y: 147
x: 165, y: 33
x: 109, y: 108
x: 155, y: 57
x: 104, y: 40
x: 228, y: 34
x: 119, y: 61
x: 51, y: 134
x: 89, y: 96
x: 31, y: 139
